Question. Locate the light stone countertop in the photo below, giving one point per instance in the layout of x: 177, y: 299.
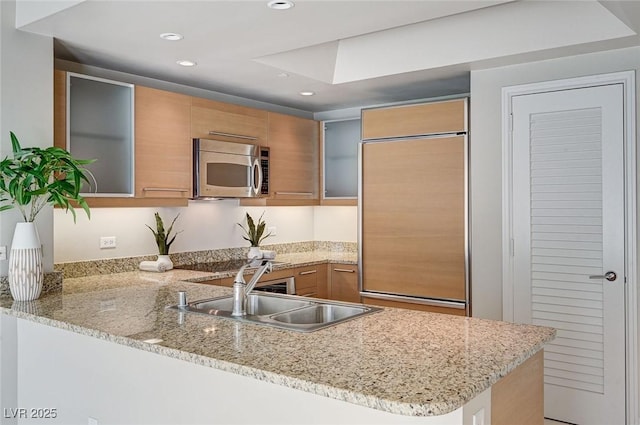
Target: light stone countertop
x: 399, y: 361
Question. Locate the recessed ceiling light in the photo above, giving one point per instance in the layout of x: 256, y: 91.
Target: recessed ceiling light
x: 171, y: 36
x: 307, y: 93
x: 186, y: 63
x: 280, y: 4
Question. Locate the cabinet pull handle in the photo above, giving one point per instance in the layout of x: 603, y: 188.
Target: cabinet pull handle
x: 344, y: 270
x: 295, y: 193
x: 163, y: 189
x: 237, y: 136
x: 308, y: 272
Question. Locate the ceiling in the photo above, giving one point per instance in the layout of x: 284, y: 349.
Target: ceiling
x: 350, y: 53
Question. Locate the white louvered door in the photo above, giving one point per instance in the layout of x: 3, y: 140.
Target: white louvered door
x: 568, y: 227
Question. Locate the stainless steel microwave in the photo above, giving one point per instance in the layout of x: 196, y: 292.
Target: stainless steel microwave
x: 229, y: 170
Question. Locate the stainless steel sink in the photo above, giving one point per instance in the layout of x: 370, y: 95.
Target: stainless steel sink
x: 283, y: 311
x: 257, y: 305
x: 319, y: 313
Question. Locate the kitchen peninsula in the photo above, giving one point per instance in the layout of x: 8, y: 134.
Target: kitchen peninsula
x: 107, y: 348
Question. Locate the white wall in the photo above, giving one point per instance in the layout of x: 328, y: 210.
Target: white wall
x: 337, y: 224
x: 486, y: 159
x: 204, y: 226
x: 26, y: 108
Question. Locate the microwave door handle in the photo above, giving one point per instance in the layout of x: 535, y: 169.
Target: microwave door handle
x: 258, y: 168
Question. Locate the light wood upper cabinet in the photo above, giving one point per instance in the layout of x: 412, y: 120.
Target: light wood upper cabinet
x: 414, y: 120
x: 293, y: 160
x: 163, y: 144
x: 227, y: 122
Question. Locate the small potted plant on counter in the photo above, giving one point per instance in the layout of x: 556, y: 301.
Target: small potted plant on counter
x: 164, y: 241
x: 254, y: 234
x: 31, y: 179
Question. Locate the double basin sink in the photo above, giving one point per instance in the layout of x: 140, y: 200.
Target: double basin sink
x: 282, y: 311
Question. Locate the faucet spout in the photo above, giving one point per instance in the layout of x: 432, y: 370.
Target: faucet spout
x: 266, y: 267
x: 242, y: 289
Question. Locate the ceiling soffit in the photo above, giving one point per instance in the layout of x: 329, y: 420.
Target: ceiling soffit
x: 475, y: 36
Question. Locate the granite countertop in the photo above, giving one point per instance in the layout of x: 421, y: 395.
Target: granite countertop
x: 399, y: 361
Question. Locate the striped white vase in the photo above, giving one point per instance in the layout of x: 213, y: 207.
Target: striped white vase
x: 25, y: 263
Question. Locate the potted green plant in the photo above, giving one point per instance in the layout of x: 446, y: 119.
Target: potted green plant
x: 254, y: 234
x: 164, y: 241
x: 32, y: 178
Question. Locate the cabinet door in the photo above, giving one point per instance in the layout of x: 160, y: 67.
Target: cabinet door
x: 306, y: 281
x: 344, y: 283
x: 413, y: 217
x: 163, y: 144
x: 311, y: 281
x: 293, y: 160
x: 100, y: 126
x: 340, y: 162
x: 414, y: 120
x: 227, y: 122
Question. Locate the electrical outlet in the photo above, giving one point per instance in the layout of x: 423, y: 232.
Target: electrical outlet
x: 92, y: 421
x: 107, y: 242
x: 3, y: 253
x: 273, y: 230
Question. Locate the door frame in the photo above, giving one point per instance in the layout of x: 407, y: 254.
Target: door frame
x: 627, y: 79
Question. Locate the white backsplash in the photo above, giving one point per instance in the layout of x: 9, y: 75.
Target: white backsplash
x: 204, y: 225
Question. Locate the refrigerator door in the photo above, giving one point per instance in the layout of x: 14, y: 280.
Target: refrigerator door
x: 413, y: 231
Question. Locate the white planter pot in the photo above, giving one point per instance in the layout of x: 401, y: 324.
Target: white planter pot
x: 25, y: 263
x: 165, y: 262
x: 254, y: 252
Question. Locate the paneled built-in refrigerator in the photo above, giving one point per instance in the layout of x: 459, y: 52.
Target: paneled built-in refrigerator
x: 413, y: 220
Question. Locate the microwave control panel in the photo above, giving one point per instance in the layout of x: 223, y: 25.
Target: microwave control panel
x: 264, y: 164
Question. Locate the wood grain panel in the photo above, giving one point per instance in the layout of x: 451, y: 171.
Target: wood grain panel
x: 518, y: 398
x: 414, y: 217
x: 413, y: 306
x: 294, y: 158
x: 306, y: 280
x: 60, y: 109
x: 116, y: 202
x: 344, y: 283
x: 209, y: 115
x: 163, y: 144
x: 414, y: 120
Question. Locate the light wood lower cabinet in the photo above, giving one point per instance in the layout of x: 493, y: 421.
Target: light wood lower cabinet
x: 311, y: 281
x: 518, y: 398
x: 343, y: 283
x: 412, y: 306
x: 163, y: 144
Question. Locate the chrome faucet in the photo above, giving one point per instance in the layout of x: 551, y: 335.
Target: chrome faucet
x: 242, y: 289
